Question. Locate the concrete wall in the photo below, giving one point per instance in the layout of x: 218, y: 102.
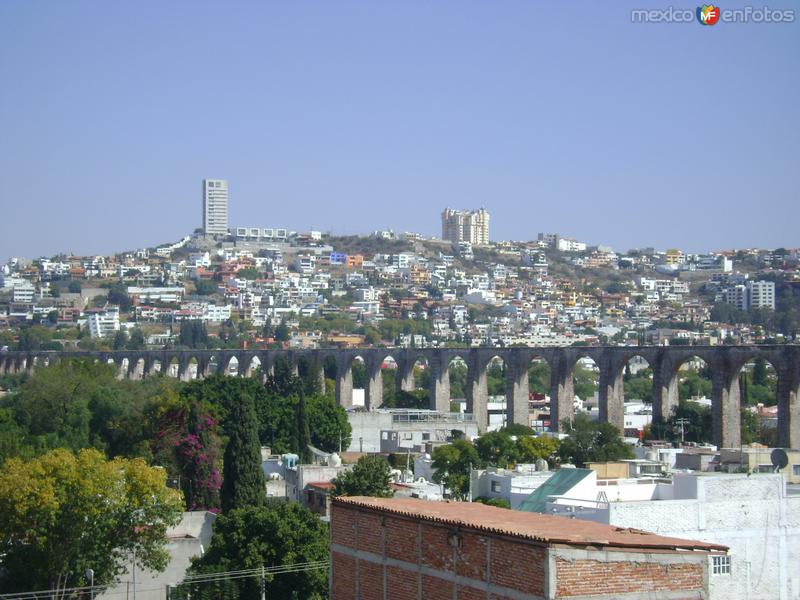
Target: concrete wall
x: 752, y: 515
x: 368, y: 425
x: 190, y: 538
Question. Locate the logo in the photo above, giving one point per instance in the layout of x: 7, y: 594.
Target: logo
x: 708, y: 14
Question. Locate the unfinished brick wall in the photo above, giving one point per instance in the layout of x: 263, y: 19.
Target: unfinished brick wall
x: 583, y: 577
x: 384, y: 556
x: 410, y: 545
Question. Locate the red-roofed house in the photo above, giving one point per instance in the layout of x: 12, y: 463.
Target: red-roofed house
x: 415, y: 549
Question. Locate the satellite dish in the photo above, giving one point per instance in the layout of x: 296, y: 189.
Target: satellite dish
x: 779, y: 459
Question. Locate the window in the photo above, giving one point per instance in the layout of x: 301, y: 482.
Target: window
x: 795, y: 470
x: 765, y: 469
x: 721, y: 565
x: 496, y: 487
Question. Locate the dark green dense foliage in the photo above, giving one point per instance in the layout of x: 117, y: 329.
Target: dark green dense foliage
x: 501, y: 448
x: 243, y: 479
x: 182, y: 427
x: 274, y: 534
x: 370, y: 476
x: 591, y: 441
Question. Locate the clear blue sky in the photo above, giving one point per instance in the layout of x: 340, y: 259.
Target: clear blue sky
x: 352, y: 116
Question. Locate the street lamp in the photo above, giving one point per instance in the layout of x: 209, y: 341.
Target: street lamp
x: 90, y: 577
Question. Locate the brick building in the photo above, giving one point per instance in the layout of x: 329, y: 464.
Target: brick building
x: 399, y: 549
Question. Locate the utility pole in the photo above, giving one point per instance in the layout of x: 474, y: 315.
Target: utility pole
x: 682, y: 422
x: 469, y: 494
x: 263, y: 584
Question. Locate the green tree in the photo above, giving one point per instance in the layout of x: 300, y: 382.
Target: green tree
x: 517, y: 429
x: 248, y: 273
x: 760, y: 372
x: 496, y: 379
x: 694, y: 383
x: 120, y: 340
x: 205, y: 287
x: 282, y: 331
x: 498, y: 502
x: 303, y: 433
x: 243, y: 479
x: 696, y: 427
x: 458, y: 380
x: 118, y: 294
x: 136, y: 341
x: 453, y: 464
x: 193, y: 334
x: 328, y: 425
x: 11, y: 437
x: 54, y: 404
x: 496, y: 448
x: 63, y: 513
x: 370, y: 476
x: 640, y: 386
x: 279, y: 533
x: 585, y: 382
x: 591, y: 441
x: 539, y: 378
x: 530, y: 449
x: 74, y: 287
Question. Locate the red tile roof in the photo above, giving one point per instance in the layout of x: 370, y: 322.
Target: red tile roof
x: 321, y: 485
x: 532, y: 526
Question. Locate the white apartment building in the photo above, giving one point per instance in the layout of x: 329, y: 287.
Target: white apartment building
x: 24, y: 293
x: 266, y: 234
x: 102, y: 324
x: 736, y: 295
x: 466, y: 226
x: 157, y: 294
x: 305, y: 263
x: 215, y: 206
x: 369, y: 294
x: 761, y: 294
x: 753, y: 294
x: 569, y: 245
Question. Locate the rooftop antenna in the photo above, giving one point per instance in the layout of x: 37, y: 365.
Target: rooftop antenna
x: 779, y: 459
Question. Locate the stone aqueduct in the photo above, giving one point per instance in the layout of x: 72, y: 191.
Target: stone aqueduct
x: 724, y: 362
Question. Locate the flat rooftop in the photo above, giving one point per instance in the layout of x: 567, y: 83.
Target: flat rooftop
x: 546, y: 529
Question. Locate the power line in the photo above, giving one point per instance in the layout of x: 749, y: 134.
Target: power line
x: 191, y: 579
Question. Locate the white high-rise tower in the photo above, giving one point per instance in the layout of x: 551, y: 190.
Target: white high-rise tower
x: 215, y: 206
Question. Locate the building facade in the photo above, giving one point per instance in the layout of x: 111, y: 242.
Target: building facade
x: 215, y: 207
x: 761, y: 294
x: 466, y: 226
x: 751, y: 514
x: 403, y: 549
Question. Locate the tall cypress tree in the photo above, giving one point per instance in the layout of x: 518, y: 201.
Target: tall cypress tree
x: 303, y: 432
x: 243, y: 479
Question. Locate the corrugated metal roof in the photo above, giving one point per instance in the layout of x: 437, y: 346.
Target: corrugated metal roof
x: 546, y: 529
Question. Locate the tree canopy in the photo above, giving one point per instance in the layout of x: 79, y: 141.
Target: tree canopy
x: 278, y: 533
x: 370, y: 476
x: 62, y: 513
x: 453, y: 464
x: 242, y: 477
x: 591, y: 441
